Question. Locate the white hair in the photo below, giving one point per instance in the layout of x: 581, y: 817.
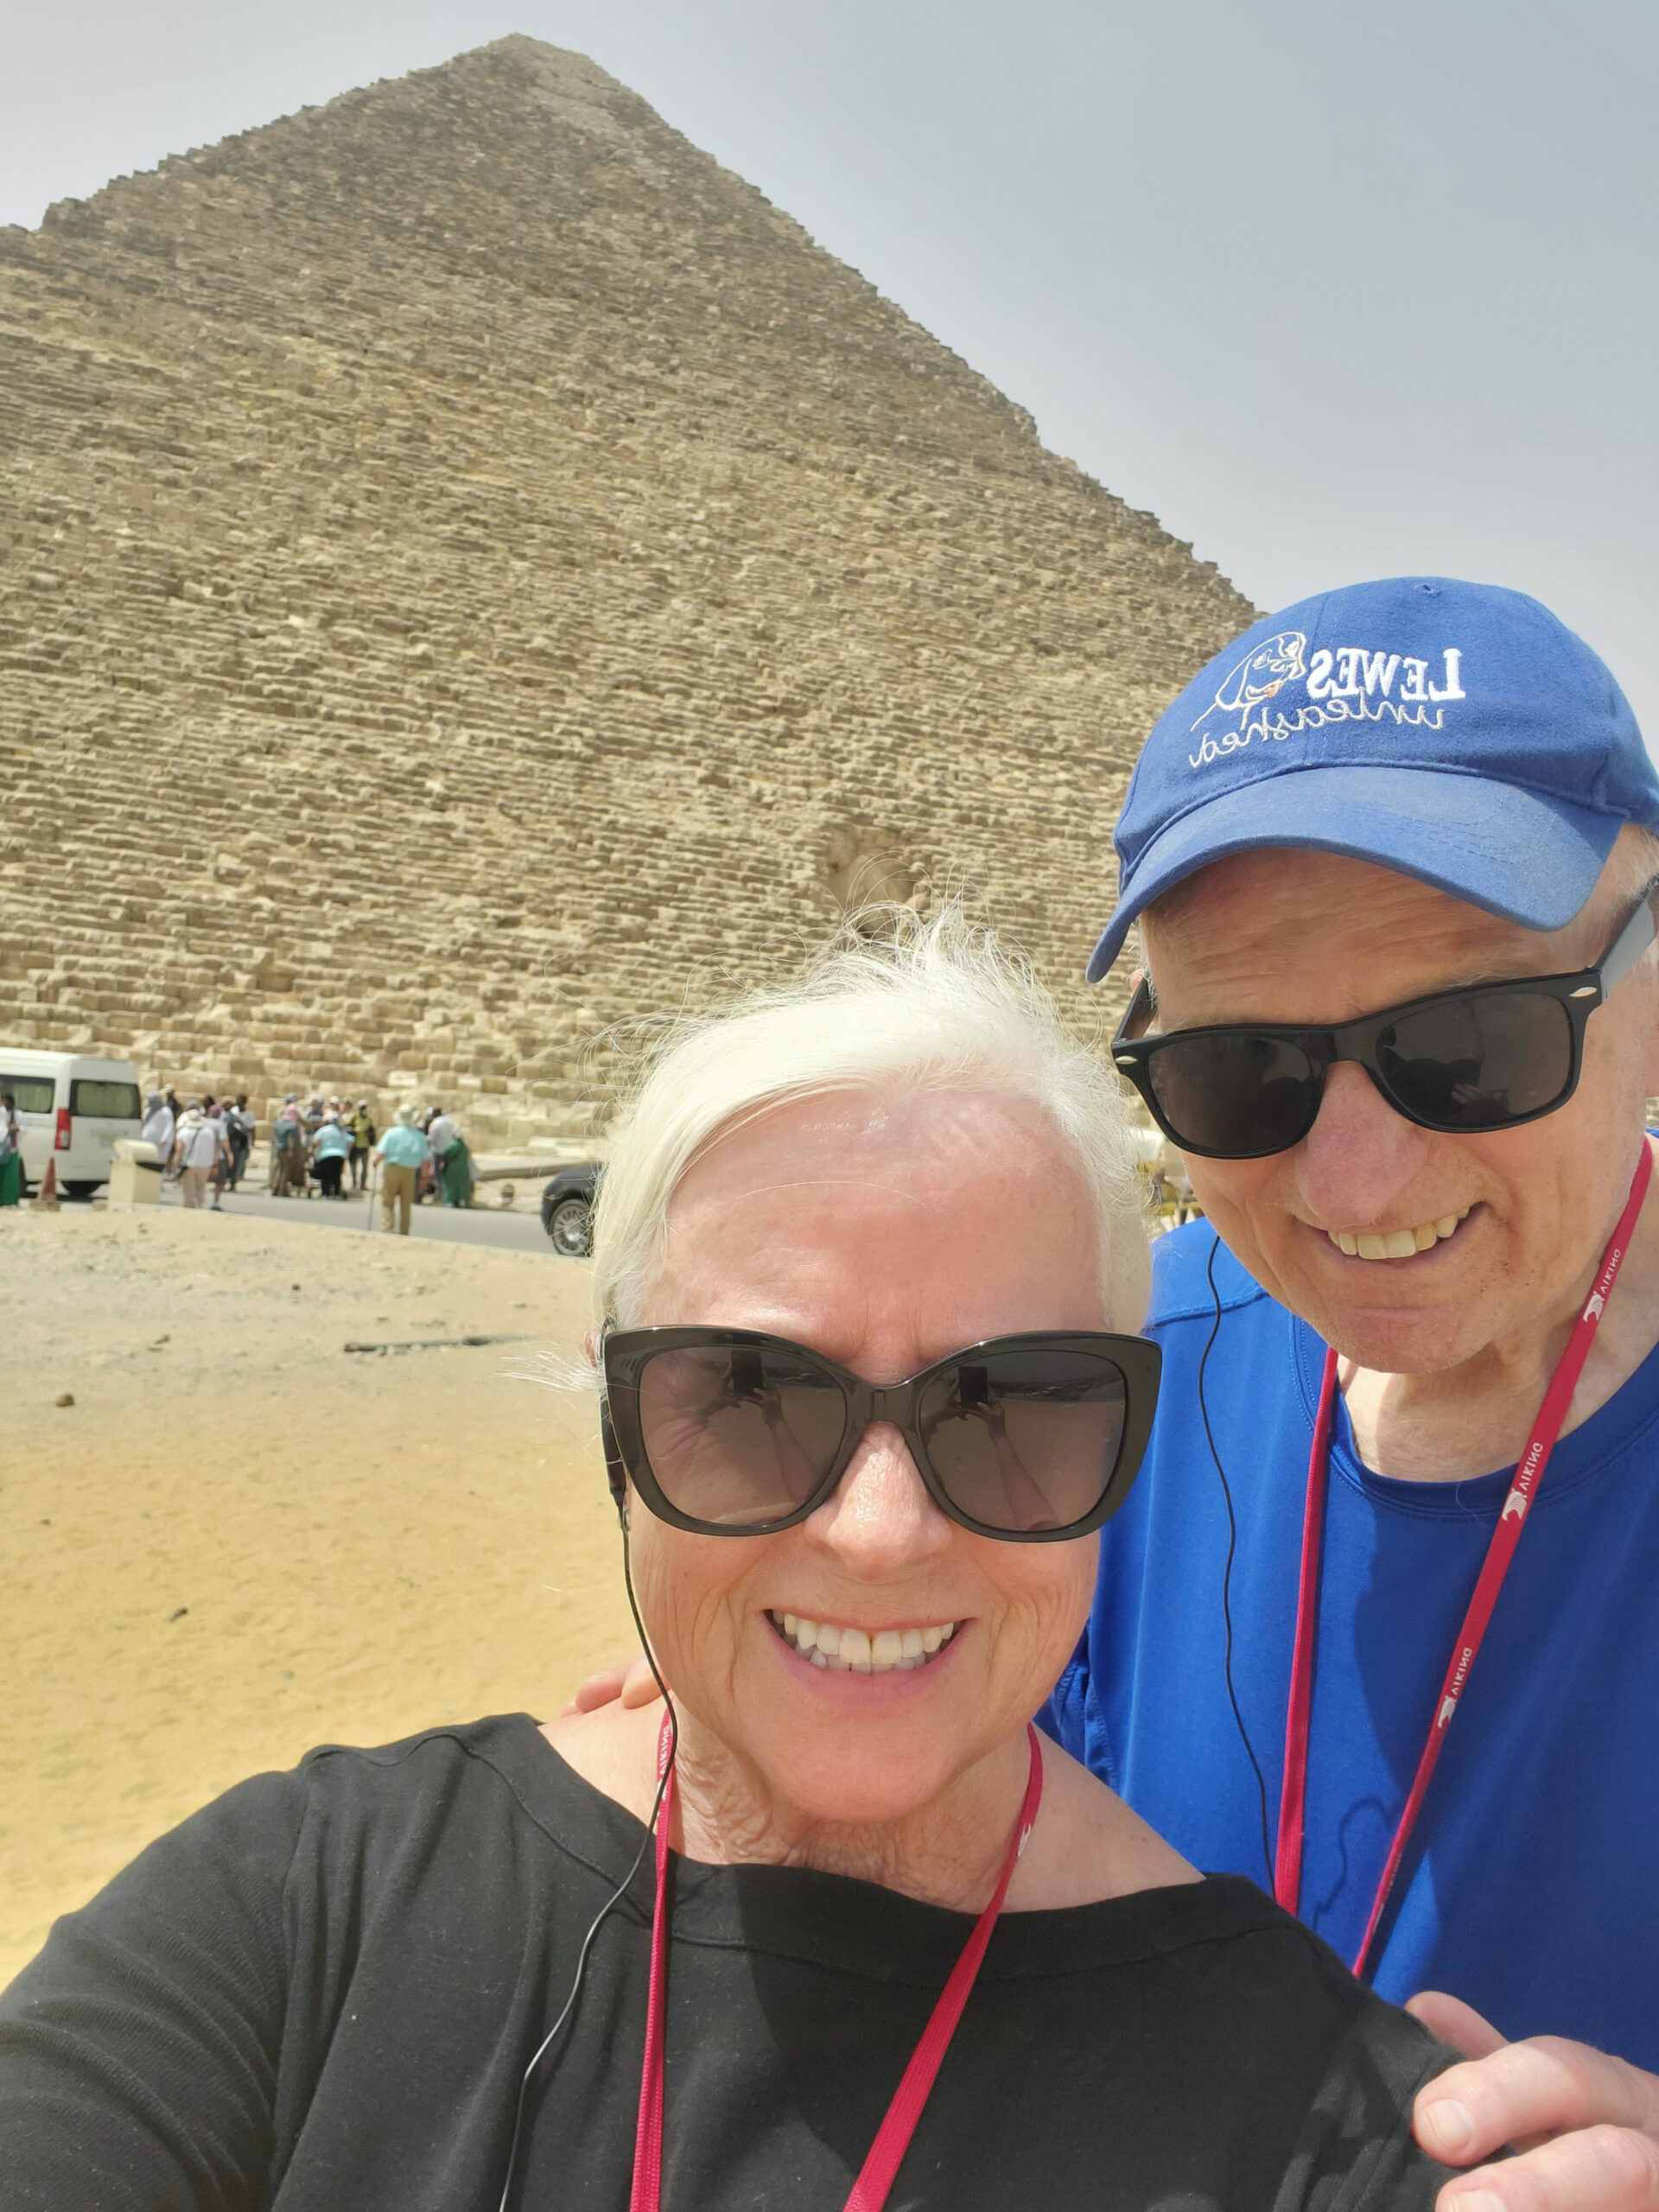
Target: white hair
x: 934, y: 1005
x: 1634, y: 861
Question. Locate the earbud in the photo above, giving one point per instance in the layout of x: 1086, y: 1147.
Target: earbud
x: 615, y: 1473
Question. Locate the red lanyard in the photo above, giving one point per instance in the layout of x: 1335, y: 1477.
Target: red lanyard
x: 893, y: 2137
x: 1530, y: 1472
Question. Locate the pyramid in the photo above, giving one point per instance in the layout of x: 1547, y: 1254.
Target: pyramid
x: 472, y: 571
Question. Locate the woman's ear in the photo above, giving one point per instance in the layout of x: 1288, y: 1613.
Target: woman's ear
x: 590, y: 1347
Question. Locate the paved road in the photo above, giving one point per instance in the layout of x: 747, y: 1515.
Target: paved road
x: 505, y: 1232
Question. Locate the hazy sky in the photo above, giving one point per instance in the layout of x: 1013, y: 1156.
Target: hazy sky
x: 1335, y: 291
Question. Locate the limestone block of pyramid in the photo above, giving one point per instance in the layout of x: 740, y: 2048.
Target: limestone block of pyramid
x: 471, y: 571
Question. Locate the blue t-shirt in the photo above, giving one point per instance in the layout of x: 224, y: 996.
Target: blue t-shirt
x: 404, y: 1146
x: 1530, y: 1888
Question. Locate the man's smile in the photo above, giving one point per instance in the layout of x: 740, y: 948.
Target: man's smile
x: 1397, y: 1244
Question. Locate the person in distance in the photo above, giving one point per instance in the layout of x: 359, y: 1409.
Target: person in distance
x: 868, y: 1256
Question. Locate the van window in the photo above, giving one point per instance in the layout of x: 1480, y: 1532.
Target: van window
x: 33, y: 1093
x: 110, y: 1101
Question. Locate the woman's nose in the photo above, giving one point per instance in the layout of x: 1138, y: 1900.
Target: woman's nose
x: 1359, y: 1154
x: 880, y: 1520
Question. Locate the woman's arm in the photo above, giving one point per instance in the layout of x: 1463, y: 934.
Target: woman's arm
x: 139, y: 2051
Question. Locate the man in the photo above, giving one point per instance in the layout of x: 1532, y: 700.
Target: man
x: 1412, y: 790
x: 239, y: 1126
x: 402, y: 1152
x: 1437, y: 794
x: 197, y: 1149
x: 363, y: 1134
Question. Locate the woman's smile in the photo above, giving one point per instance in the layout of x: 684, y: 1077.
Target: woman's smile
x: 863, y: 1651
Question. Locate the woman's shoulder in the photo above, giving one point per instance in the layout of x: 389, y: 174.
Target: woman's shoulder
x: 418, y: 1831
x: 1088, y: 1845
x: 447, y: 1797
x: 613, y: 1748
x: 486, y: 1772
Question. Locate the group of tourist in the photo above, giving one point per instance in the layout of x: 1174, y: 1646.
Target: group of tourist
x: 985, y: 1604
x: 325, y: 1144
x: 422, y: 1154
x: 317, y: 1143
x: 203, y: 1145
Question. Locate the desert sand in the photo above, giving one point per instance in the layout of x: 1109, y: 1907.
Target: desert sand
x: 241, y: 1539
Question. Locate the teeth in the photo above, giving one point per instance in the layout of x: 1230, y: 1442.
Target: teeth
x: 1396, y: 1243
x: 888, y: 1650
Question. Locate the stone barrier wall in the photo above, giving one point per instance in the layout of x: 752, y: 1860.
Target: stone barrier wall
x: 471, y: 571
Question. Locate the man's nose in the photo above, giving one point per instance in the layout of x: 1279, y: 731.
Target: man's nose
x: 1359, y: 1154
x: 880, y: 1521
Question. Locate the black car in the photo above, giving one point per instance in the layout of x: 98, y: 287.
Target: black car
x: 568, y: 1210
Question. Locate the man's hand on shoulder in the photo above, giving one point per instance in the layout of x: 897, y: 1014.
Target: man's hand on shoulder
x: 1586, y: 2126
x: 627, y: 1678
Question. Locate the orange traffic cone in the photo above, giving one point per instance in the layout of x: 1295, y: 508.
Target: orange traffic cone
x: 45, y: 1200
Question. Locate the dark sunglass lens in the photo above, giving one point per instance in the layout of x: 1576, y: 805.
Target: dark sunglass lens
x: 1024, y: 1440
x: 1234, y: 1093
x: 740, y: 1433
x: 1479, y: 1061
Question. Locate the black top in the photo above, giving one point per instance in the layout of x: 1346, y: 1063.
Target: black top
x: 321, y: 1992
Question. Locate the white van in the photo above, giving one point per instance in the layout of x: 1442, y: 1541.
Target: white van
x: 73, y: 1107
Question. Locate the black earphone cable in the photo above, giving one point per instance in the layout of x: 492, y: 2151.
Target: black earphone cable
x: 617, y: 1894
x: 1227, y: 1572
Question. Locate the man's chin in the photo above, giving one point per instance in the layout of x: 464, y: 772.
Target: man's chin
x: 1371, y: 1316
x: 1401, y: 1343
x: 1393, y: 1337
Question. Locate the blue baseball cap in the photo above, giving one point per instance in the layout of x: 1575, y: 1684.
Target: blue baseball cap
x: 1455, y: 732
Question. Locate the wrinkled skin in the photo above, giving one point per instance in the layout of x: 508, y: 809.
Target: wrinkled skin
x: 884, y: 1233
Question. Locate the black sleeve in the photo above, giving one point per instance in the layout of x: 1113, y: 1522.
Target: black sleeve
x: 139, y: 2051
x: 1357, y: 2152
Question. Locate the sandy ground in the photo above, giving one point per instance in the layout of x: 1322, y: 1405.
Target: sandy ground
x: 241, y: 1539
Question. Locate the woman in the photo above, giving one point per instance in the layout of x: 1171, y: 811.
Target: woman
x: 444, y: 1973
x: 158, y: 1126
x: 330, y: 1153
x: 288, y: 1150
x: 11, y: 1152
x: 455, y: 1167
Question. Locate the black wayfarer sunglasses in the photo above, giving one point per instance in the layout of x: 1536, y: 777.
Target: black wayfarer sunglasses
x: 732, y: 1433
x: 1488, y: 1057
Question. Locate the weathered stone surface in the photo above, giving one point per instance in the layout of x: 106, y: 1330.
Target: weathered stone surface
x: 471, y: 570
